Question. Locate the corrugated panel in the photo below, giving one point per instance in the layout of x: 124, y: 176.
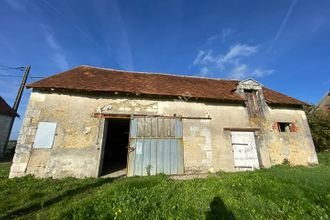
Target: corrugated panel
x: 158, y: 146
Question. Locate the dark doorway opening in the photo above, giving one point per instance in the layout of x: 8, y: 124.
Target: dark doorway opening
x: 115, y: 149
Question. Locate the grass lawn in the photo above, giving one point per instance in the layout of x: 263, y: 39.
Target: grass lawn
x: 281, y: 192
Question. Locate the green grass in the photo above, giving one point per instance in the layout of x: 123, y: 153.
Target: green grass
x: 281, y: 192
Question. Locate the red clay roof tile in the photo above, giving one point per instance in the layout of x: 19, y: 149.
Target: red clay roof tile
x: 87, y: 78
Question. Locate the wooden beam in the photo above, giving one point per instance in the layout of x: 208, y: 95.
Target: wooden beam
x: 241, y: 129
x: 102, y: 115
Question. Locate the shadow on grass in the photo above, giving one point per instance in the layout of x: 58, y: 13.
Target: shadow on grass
x: 35, y: 207
x: 218, y: 210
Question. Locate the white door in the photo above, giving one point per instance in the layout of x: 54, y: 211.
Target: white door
x: 245, y: 151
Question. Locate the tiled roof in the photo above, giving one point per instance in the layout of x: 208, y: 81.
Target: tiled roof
x: 5, y: 109
x: 87, y: 78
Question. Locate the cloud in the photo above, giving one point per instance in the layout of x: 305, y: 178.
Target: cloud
x: 239, y: 72
x: 236, y: 51
x: 242, y: 71
x: 204, y: 71
x: 198, y: 57
x: 17, y: 5
x: 284, y: 22
x: 59, y: 56
x: 231, y: 62
x: 225, y: 33
x: 220, y: 37
x: 261, y: 72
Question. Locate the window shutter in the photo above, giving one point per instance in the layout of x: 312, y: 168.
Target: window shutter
x: 275, y: 126
x: 45, y: 135
x: 293, y: 127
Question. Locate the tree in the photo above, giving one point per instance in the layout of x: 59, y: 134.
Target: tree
x: 319, y: 123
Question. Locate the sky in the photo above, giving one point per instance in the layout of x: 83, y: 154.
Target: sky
x: 283, y: 44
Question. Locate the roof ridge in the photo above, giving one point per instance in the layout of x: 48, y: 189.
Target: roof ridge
x: 157, y: 73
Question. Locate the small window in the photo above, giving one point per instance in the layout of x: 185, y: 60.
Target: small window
x: 286, y: 127
x: 45, y: 135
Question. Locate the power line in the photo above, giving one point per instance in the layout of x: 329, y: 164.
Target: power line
x: 3, y: 67
x: 10, y: 75
x: 6, y: 75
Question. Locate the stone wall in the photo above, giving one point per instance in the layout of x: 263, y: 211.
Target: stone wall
x: 4, y: 130
x: 296, y: 147
x: 207, y: 146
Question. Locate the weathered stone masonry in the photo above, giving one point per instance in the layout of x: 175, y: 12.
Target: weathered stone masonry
x: 207, y: 145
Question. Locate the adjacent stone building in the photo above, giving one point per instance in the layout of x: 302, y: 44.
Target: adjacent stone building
x: 6, y: 116
x: 90, y: 122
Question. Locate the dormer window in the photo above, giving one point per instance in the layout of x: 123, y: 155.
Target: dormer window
x: 254, y: 100
x: 252, y: 103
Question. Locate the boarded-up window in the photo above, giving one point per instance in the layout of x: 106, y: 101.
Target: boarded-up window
x: 45, y: 135
x: 252, y: 103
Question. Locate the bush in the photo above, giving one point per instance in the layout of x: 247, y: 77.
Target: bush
x: 320, y: 128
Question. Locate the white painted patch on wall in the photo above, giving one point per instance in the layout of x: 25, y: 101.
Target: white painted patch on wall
x: 37, y: 97
x: 207, y: 147
x: 87, y: 130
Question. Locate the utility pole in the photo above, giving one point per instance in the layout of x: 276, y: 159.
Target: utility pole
x: 21, y: 88
x: 17, y: 102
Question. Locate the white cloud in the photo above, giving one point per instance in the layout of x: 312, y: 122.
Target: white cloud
x: 242, y: 71
x: 59, y: 56
x: 198, y: 57
x: 225, y: 33
x: 219, y: 37
x: 204, y: 71
x: 239, y: 72
x: 261, y: 72
x: 231, y: 62
x: 240, y: 50
x: 18, y: 5
x: 236, y: 51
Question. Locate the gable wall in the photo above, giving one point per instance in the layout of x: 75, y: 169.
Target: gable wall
x: 78, y: 143
x: 297, y: 147
x: 4, y: 130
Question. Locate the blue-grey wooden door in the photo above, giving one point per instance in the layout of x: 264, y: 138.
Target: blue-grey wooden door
x: 155, y: 146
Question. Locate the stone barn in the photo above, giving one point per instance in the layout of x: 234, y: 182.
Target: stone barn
x: 7, y: 114
x: 91, y: 122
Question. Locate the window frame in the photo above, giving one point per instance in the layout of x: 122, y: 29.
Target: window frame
x: 292, y: 127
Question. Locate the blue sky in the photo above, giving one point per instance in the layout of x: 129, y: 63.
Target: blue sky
x: 284, y: 44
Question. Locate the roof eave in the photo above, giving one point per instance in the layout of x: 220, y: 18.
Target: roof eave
x: 136, y: 94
